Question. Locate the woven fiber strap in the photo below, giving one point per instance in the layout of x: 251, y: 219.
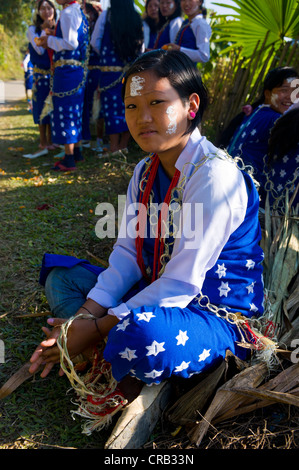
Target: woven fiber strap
x: 41, y: 71
x: 110, y: 68
x: 63, y: 62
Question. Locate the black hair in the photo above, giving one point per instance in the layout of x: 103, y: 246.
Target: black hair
x: 90, y: 9
x: 177, y: 12
x: 181, y: 72
x: 153, y: 25
x: 274, y: 79
x: 284, y: 135
x: 126, y: 29
x: 38, y: 20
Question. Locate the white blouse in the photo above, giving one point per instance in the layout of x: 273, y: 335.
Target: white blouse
x: 70, y: 21
x: 202, y: 32
x: 219, y: 189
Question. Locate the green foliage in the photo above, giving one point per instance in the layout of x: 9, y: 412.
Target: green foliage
x: 255, y: 18
x: 16, y: 14
x: 10, y: 56
x: 140, y: 4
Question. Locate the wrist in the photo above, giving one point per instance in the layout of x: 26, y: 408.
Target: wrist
x: 95, y: 320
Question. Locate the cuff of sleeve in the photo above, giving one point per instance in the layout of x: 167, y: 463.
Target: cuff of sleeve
x: 102, y: 298
x: 121, y: 311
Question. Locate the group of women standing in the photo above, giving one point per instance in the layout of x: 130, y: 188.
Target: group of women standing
x: 88, y: 48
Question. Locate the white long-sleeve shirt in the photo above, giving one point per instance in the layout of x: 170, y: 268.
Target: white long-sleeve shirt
x: 70, y: 21
x: 220, y: 189
x: 98, y: 32
x: 202, y: 32
x: 174, y: 27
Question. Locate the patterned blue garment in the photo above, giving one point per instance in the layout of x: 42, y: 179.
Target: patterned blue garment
x: 138, y: 345
x: 66, y: 123
x: 112, y: 107
x: 282, y: 176
x: 28, y: 75
x: 250, y: 141
x: 154, y: 343
x: 92, y: 82
x: 41, y: 83
x: 185, y: 36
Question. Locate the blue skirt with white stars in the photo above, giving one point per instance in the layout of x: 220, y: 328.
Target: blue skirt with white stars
x: 66, y: 123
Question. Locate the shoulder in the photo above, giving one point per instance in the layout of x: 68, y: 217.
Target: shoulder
x: 74, y: 11
x: 176, y: 21
x: 218, y: 170
x: 199, y: 22
x: 264, y: 117
x: 31, y: 30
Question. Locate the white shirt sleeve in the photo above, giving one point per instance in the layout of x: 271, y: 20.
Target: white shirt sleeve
x: 98, y: 32
x: 123, y: 271
x: 202, y: 32
x: 70, y: 21
x: 174, y: 27
x: 146, y: 33
x: 31, y: 34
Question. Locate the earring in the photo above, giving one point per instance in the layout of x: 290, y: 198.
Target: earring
x: 192, y: 114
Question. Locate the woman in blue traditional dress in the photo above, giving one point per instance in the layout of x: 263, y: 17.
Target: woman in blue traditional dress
x: 92, y: 11
x: 118, y: 39
x: 28, y: 78
x: 69, y: 62
x: 250, y: 139
x: 172, y: 21
x: 39, y: 56
x: 193, y: 38
x: 185, y: 275
x: 150, y: 23
x: 281, y: 168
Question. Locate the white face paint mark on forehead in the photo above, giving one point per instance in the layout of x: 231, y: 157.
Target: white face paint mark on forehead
x: 172, y: 116
x: 136, y: 85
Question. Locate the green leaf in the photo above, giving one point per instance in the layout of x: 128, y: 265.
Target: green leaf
x: 253, y: 19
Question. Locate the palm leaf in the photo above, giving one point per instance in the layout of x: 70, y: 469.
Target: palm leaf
x: 254, y: 18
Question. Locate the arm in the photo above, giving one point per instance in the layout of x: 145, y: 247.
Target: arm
x: 70, y: 21
x: 114, y: 282
x: 31, y: 35
x: 185, y: 272
x: 202, y: 32
x: 175, y: 25
x: 98, y: 32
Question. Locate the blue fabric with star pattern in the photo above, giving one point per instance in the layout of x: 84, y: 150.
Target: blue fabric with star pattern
x: 250, y: 141
x: 112, y: 106
x: 282, y: 175
x: 154, y: 343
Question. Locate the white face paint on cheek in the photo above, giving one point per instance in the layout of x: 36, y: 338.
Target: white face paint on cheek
x: 274, y: 99
x: 136, y: 85
x: 172, y: 116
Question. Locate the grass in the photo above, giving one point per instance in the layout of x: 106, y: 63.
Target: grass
x: 42, y: 211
